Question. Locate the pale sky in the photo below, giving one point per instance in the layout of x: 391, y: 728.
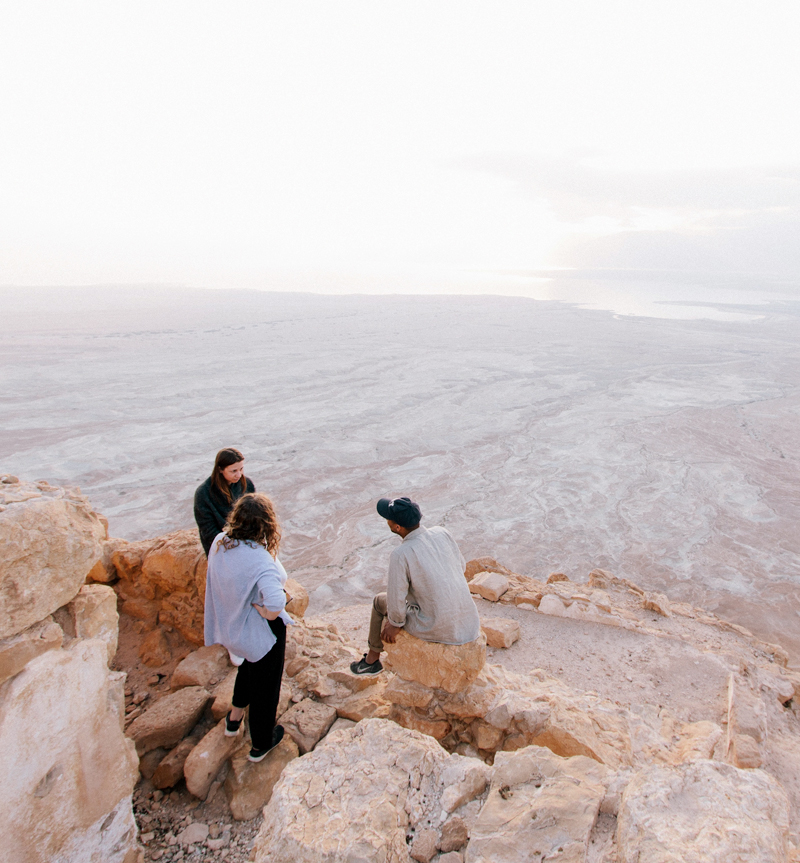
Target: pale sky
x: 293, y: 144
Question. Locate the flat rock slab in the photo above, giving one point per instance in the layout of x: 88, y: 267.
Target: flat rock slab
x: 308, y: 722
x: 249, y: 786
x: 703, y: 812
x: 169, y: 771
x: 451, y: 667
x: 169, y: 720
x: 540, y: 806
x: 489, y: 585
x: 206, y: 759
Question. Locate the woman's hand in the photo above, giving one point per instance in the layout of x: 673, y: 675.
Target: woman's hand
x: 267, y: 615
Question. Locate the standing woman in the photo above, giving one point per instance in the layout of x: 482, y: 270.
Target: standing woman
x: 244, y: 612
x: 215, y: 497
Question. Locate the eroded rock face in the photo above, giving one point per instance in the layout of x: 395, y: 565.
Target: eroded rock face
x: 49, y: 540
x: 163, y: 581
x: 358, y: 794
x: 68, y: 769
x: 92, y: 614
x: 703, y: 812
x: 18, y: 650
x: 451, y: 667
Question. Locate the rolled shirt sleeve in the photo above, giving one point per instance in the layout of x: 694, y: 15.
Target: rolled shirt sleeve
x: 397, y: 590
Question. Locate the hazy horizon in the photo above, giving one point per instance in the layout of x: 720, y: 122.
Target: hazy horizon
x: 426, y: 144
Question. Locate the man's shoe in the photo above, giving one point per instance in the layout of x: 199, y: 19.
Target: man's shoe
x: 364, y: 667
x: 232, y: 726
x: 257, y: 755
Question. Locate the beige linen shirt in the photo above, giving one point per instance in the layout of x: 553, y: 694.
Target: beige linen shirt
x: 427, y: 593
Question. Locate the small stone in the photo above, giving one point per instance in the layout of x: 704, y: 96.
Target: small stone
x: 454, y: 834
x: 657, y: 602
x: 489, y: 585
x: 195, y: 834
x: 214, y: 831
x: 745, y: 752
x: 423, y: 848
x: 219, y: 843
x: 157, y: 795
x: 149, y: 762
x: 500, y: 631
x: 451, y: 857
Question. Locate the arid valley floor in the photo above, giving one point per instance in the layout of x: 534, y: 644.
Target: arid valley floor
x: 553, y: 437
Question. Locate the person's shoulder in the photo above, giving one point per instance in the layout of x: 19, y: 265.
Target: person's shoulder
x: 204, y: 488
x: 249, y: 487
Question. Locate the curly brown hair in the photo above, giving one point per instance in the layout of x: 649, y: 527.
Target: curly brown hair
x: 253, y: 519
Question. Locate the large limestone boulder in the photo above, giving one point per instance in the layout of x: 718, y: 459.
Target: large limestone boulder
x: 68, y: 771
x: 49, y: 540
x: 703, y: 812
x: 540, y: 807
x: 451, y: 667
x: 361, y: 792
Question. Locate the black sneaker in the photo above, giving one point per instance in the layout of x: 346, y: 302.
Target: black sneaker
x: 232, y: 726
x: 363, y: 667
x: 257, y: 755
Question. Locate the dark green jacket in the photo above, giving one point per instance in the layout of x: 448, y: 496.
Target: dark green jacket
x: 211, y: 509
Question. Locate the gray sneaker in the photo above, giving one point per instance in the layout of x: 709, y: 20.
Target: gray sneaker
x: 363, y: 667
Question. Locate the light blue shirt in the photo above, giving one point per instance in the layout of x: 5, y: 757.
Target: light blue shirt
x: 238, y: 577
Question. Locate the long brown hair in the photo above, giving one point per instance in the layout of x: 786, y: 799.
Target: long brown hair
x: 253, y: 519
x: 225, y: 458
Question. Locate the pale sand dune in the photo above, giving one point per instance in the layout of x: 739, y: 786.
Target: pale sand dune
x: 552, y: 438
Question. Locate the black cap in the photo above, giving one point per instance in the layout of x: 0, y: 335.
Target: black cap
x: 400, y: 510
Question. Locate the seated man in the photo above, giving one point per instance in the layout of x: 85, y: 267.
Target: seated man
x: 427, y: 594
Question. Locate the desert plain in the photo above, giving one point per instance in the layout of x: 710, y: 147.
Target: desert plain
x: 552, y: 437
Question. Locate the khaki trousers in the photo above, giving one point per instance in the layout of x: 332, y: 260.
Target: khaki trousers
x: 379, y: 612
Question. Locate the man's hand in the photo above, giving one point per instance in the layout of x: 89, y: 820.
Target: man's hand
x: 389, y: 632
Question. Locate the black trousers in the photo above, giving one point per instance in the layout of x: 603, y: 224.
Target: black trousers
x: 258, y: 684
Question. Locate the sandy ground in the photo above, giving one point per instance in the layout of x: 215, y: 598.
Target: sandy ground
x: 549, y: 437
x: 630, y: 668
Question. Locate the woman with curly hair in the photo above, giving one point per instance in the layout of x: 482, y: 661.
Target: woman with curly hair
x: 216, y: 496
x: 244, y: 612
